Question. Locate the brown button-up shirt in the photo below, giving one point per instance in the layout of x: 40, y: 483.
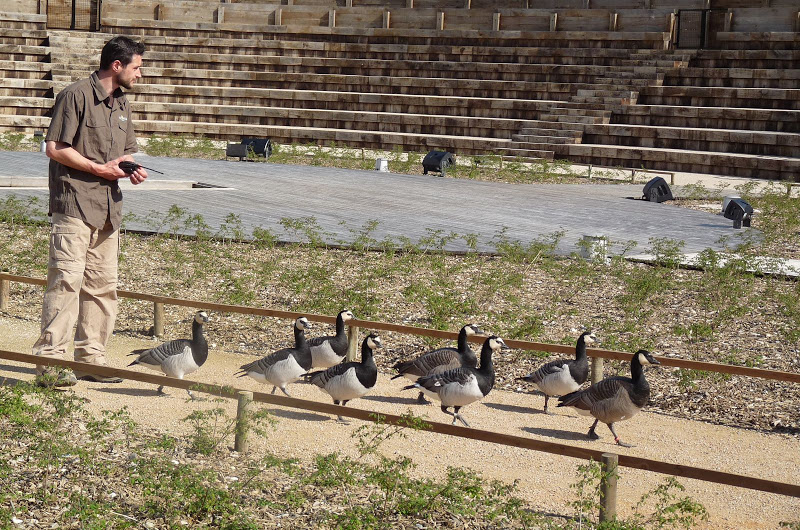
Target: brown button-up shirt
x: 98, y: 127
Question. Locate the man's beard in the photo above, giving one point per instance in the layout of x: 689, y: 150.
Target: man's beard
x: 126, y: 84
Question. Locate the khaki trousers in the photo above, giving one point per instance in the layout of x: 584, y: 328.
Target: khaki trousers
x: 82, y: 287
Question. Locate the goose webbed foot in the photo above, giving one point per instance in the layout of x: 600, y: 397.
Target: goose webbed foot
x: 616, y: 438
x: 547, y: 406
x: 593, y: 435
x: 460, y: 418
x: 161, y: 392
x: 339, y: 418
x: 192, y: 397
x: 283, y: 389
x: 421, y: 399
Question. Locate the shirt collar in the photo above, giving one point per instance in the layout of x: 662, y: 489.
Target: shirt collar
x: 100, y: 93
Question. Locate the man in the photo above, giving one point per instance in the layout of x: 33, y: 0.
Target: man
x: 90, y: 134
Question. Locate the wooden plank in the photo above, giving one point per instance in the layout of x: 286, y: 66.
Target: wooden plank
x: 427, y: 332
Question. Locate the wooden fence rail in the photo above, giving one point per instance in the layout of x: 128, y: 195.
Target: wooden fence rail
x: 425, y: 332
x: 678, y: 470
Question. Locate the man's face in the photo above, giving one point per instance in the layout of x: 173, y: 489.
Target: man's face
x: 127, y: 75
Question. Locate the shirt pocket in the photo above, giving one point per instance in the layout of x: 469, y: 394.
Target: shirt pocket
x: 98, y: 139
x: 120, y: 132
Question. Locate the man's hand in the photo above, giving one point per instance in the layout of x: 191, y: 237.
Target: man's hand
x: 138, y: 176
x: 110, y: 170
x: 67, y: 155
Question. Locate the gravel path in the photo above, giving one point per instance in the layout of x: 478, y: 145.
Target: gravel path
x: 544, y: 479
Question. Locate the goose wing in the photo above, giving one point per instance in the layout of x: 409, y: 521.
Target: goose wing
x: 434, y: 383
x: 322, y: 377
x: 157, y: 355
x: 548, y: 369
x: 439, y: 360
x: 319, y: 341
x: 264, y: 363
x: 588, y: 399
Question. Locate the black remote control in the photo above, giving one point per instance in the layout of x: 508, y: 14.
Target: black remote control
x: 130, y: 167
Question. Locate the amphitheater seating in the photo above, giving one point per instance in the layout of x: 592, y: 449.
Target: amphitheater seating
x: 22, y: 20
x: 33, y: 7
x: 589, y: 80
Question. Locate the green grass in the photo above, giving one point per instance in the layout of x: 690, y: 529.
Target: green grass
x: 446, y: 291
x: 44, y: 433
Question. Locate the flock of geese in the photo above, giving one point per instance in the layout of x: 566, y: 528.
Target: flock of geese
x: 451, y: 376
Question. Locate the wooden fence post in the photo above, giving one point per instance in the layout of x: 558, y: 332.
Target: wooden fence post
x: 597, y: 369
x: 158, y: 319
x: 608, y: 487
x: 352, y: 343
x: 242, y: 421
x: 5, y: 294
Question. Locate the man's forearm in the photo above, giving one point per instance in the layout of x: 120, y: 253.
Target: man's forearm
x: 65, y: 154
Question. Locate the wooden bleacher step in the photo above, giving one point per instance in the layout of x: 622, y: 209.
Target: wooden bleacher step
x: 632, y: 83
x: 544, y: 140
x: 572, y: 119
x: 540, y: 125
x: 521, y: 150
x: 573, y: 111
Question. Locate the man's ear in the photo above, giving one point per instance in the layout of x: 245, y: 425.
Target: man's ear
x: 116, y: 66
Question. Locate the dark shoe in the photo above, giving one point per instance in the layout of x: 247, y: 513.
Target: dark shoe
x: 97, y: 378
x: 53, y: 378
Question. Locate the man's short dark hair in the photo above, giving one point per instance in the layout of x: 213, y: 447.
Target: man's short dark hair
x: 120, y: 49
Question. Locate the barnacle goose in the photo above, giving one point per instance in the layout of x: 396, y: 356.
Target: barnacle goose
x: 615, y: 398
x: 562, y: 376
x: 180, y: 357
x: 347, y: 381
x: 331, y: 350
x: 462, y: 386
x: 283, y: 366
x: 440, y: 360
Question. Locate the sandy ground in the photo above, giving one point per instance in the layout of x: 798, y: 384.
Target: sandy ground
x: 544, y: 479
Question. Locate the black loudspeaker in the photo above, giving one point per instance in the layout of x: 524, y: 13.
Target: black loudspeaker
x: 739, y: 211
x: 657, y: 190
x: 238, y: 150
x: 438, y: 161
x: 260, y: 146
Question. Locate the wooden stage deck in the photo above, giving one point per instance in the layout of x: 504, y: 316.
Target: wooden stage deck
x: 343, y: 201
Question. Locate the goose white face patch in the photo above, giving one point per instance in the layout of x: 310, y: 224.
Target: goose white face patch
x: 643, y: 360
